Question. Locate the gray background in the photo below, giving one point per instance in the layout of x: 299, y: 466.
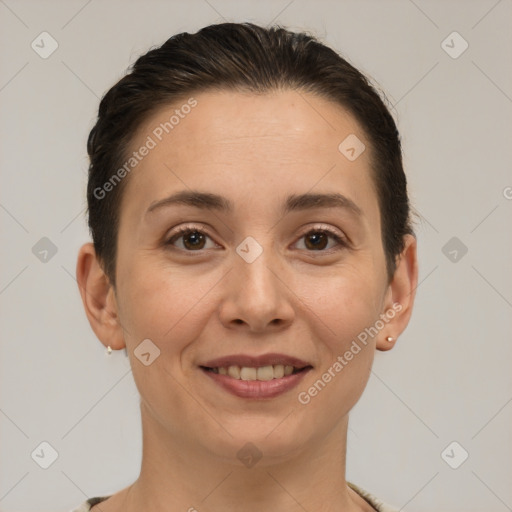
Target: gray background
x: 448, y: 379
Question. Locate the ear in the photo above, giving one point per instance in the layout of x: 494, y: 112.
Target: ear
x: 98, y: 297
x: 400, y: 295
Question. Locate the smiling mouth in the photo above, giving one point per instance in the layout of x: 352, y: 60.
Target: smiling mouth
x: 260, y: 373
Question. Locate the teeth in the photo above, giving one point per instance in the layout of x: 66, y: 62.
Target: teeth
x: 248, y: 373
x: 265, y: 373
x: 234, y: 371
x: 262, y: 373
x: 279, y: 371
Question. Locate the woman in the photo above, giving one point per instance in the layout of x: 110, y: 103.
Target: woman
x: 251, y: 249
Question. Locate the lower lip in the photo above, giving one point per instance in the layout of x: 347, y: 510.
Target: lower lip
x: 257, y: 389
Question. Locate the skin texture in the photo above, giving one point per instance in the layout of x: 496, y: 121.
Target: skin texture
x: 293, y: 299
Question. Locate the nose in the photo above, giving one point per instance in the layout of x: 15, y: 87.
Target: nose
x: 257, y: 297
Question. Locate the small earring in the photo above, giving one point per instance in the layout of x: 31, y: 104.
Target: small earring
x: 390, y: 339
x: 109, y: 350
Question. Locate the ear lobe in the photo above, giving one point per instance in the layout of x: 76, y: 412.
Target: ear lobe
x: 98, y: 298
x: 400, y: 295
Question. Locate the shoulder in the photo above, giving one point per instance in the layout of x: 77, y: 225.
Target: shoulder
x: 370, y: 498
x: 86, y: 507
x: 377, y: 504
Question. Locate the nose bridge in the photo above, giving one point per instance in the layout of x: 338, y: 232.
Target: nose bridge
x: 256, y: 293
x: 253, y: 266
x: 257, y: 272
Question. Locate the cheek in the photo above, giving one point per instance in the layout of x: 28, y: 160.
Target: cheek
x: 344, y: 302
x: 170, y: 307
x: 165, y: 304
x: 342, y: 310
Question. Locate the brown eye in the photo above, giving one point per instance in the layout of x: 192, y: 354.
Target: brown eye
x: 318, y: 240
x: 191, y: 239
x: 194, y: 240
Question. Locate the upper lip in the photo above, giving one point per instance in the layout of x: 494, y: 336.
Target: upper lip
x: 255, y: 361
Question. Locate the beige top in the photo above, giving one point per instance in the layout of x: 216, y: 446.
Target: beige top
x: 378, y: 505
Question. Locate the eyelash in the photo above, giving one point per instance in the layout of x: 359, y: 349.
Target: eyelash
x: 186, y: 230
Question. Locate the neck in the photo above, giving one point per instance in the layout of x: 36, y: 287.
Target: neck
x: 186, y: 477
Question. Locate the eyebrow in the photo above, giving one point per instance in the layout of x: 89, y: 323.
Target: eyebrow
x: 293, y: 203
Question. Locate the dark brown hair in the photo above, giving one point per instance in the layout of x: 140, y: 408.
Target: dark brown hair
x: 241, y: 57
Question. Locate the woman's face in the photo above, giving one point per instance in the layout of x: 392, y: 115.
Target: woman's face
x: 277, y: 272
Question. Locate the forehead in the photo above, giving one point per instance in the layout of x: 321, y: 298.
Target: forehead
x: 249, y: 146
x: 251, y: 123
